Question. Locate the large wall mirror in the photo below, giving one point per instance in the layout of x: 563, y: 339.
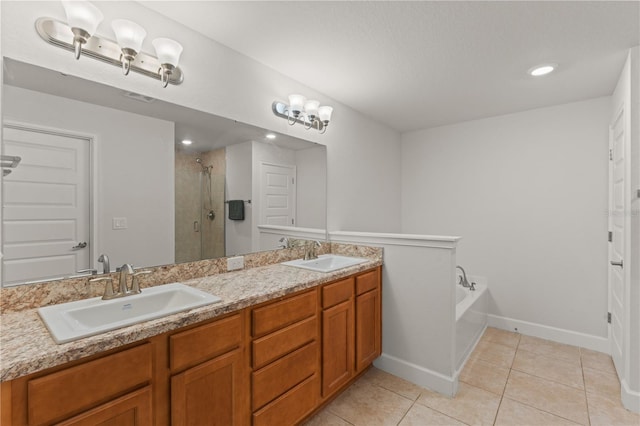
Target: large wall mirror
x: 104, y: 171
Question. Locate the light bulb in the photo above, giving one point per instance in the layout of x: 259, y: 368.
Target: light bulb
x: 311, y: 108
x: 324, y: 113
x: 130, y: 37
x: 83, y: 18
x: 296, y: 104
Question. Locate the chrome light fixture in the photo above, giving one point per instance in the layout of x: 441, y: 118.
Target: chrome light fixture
x: 168, y: 52
x: 83, y: 18
x: 130, y: 37
x: 78, y: 35
x: 307, y: 112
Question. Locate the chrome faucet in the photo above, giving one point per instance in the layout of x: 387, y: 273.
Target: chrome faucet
x: 310, y: 250
x: 125, y: 270
x: 463, y: 279
x: 104, y: 259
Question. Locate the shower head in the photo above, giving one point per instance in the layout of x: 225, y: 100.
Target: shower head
x: 204, y: 168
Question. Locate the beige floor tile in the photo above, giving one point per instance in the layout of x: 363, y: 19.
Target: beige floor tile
x: 419, y: 415
x: 326, y: 418
x: 561, y: 400
x: 606, y: 411
x: 390, y: 382
x: 567, y: 373
x: 506, y: 338
x: 551, y: 349
x: 597, y: 361
x: 484, y: 375
x: 367, y: 405
x: 471, y: 405
x: 514, y: 413
x: 495, y: 353
x: 601, y: 382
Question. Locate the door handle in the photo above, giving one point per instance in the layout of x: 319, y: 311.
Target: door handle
x: 79, y: 246
x: 617, y: 263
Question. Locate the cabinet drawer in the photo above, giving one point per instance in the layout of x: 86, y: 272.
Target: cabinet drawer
x: 282, y: 375
x: 338, y: 292
x: 291, y: 407
x: 367, y: 281
x: 202, y: 343
x: 281, y: 314
x: 281, y: 342
x: 76, y: 389
x: 133, y: 409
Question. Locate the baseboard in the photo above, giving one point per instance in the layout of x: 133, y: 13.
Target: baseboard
x: 630, y: 398
x: 419, y: 375
x: 568, y: 337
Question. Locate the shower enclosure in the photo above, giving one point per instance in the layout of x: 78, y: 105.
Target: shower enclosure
x: 199, y: 205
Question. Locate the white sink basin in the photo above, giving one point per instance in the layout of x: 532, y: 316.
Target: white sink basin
x: 74, y: 320
x: 326, y: 263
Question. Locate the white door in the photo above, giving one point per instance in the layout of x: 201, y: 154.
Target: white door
x: 277, y: 195
x: 617, y: 245
x: 45, y: 206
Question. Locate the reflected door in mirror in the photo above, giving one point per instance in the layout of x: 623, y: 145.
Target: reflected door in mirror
x: 46, y: 206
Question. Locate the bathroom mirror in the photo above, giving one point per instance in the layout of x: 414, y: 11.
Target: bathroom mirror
x: 105, y: 171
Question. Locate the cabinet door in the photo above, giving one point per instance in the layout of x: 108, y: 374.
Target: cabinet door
x: 337, y: 346
x: 368, y: 326
x: 133, y: 409
x: 210, y: 393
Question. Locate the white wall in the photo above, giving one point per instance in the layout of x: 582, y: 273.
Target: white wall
x: 363, y: 156
x: 528, y: 194
x: 238, y: 187
x: 128, y: 183
x: 311, y: 187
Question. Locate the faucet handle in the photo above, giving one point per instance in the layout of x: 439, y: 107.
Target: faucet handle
x: 108, y: 287
x: 135, y: 283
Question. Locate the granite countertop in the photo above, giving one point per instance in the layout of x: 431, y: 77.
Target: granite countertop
x: 27, y: 347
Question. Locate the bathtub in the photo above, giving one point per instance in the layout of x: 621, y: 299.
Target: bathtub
x: 471, y: 318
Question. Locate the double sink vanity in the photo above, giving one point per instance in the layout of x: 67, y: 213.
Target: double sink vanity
x: 267, y: 345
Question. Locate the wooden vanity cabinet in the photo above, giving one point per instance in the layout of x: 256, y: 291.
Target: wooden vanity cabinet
x: 285, y: 360
x: 368, y: 319
x: 272, y: 364
x: 208, y: 375
x: 116, y: 387
x: 351, y: 328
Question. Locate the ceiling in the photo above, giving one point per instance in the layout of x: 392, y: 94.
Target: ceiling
x: 421, y: 64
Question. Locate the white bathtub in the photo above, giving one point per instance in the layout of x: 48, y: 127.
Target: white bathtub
x: 471, y: 318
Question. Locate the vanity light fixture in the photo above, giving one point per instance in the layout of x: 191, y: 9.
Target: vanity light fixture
x: 78, y: 35
x: 307, y: 112
x: 543, y: 69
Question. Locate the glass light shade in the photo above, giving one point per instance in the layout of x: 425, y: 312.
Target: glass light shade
x: 296, y: 102
x: 168, y: 51
x: 324, y: 113
x: 128, y: 34
x: 311, y: 107
x: 82, y: 14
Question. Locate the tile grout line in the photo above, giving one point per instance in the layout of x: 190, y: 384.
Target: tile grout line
x: 504, y: 388
x: 584, y: 382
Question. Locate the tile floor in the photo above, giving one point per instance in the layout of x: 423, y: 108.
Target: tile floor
x: 509, y: 379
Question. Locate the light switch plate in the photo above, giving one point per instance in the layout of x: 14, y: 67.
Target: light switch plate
x: 119, y: 223
x: 235, y: 263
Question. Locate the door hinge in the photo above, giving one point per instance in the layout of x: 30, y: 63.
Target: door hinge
x: 292, y: 221
x: 609, y: 317
x: 610, y: 154
x: 610, y: 236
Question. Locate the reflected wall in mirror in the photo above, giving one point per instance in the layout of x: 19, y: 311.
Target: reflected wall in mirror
x: 104, y: 171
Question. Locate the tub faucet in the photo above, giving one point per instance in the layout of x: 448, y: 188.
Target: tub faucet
x: 463, y: 279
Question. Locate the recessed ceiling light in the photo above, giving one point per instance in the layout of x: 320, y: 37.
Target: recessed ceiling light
x: 270, y: 136
x: 186, y: 142
x: 543, y: 69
